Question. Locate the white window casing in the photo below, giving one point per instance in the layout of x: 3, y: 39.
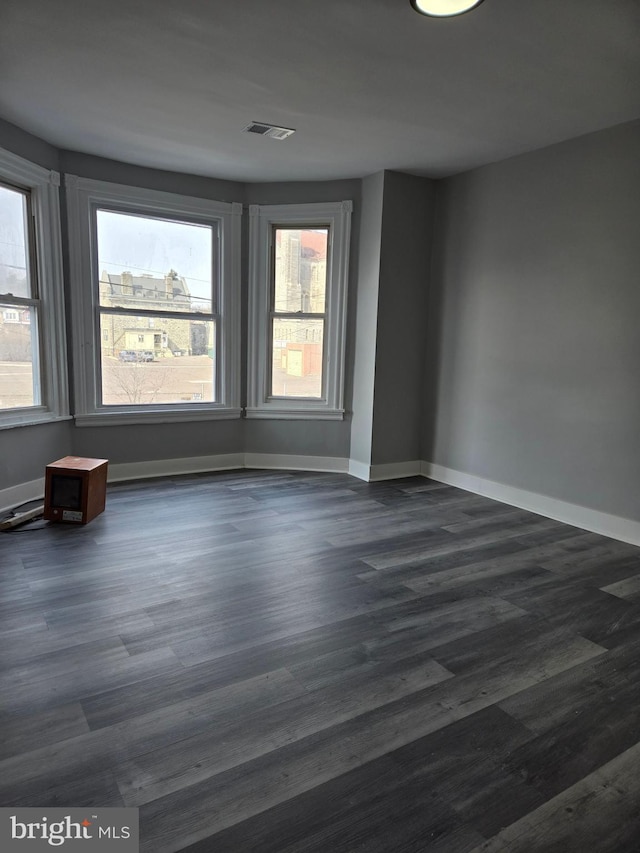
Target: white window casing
x: 47, y: 303
x: 262, y: 221
x: 84, y: 198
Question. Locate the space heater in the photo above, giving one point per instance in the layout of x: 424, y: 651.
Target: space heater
x: 75, y: 489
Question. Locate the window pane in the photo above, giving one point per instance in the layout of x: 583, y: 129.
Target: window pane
x: 153, y: 263
x: 16, y: 358
x: 156, y: 360
x: 14, y: 252
x: 297, y: 358
x: 300, y: 269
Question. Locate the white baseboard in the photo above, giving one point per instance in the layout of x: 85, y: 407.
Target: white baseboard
x: 16, y: 495
x: 201, y: 464
x: 119, y: 471
x: 173, y: 467
x: 623, y: 529
x: 285, y: 462
x: 224, y: 462
x: 388, y: 471
x: 360, y: 470
x: 395, y: 470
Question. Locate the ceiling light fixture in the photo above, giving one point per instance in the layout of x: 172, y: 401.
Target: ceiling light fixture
x: 444, y: 8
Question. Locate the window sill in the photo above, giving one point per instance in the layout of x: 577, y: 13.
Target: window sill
x: 157, y: 416
x: 31, y: 419
x: 295, y: 414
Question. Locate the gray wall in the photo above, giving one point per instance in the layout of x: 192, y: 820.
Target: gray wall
x: 392, y: 288
x: 534, y: 354
x: 407, y: 222
x: 148, y: 442
x: 366, y: 317
x: 26, y: 451
x: 30, y: 147
x: 101, y: 169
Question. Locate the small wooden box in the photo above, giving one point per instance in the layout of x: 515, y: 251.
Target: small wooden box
x: 75, y: 489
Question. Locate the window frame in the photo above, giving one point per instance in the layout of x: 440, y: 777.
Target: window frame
x: 263, y: 222
x: 84, y: 198
x: 46, y: 299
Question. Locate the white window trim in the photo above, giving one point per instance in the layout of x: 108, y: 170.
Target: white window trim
x: 83, y: 196
x: 43, y: 185
x: 262, y: 218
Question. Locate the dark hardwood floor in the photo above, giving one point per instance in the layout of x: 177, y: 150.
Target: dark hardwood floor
x: 288, y: 662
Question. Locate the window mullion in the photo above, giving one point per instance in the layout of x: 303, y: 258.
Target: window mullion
x: 9, y: 299
x: 297, y: 315
x: 148, y: 312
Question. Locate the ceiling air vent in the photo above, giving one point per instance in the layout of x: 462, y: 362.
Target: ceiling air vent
x: 270, y: 130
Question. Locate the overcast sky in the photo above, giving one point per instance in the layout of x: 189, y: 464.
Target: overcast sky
x: 13, y: 269
x: 139, y: 245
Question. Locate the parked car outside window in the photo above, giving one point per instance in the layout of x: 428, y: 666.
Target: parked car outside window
x: 136, y: 355
x: 128, y: 355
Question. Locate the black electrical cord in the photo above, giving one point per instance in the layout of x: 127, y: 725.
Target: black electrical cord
x: 12, y: 512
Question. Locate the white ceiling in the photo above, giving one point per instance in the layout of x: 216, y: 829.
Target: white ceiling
x: 368, y: 84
